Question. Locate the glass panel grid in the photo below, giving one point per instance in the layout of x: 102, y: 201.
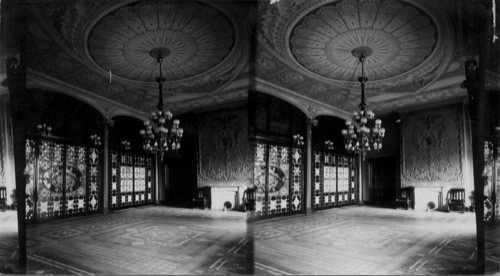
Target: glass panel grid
x: 279, y: 165
x: 50, y: 180
x: 297, y: 177
x: 94, y: 179
x: 75, y: 180
x: 317, y: 181
x: 260, y: 179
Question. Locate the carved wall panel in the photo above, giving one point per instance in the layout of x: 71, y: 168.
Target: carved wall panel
x: 433, y: 148
x: 225, y: 153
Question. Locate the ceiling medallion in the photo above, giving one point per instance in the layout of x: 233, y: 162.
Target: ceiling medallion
x: 193, y: 37
x: 396, y: 35
x: 363, y: 139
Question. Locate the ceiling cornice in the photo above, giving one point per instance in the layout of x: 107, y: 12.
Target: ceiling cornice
x: 108, y: 108
x: 311, y: 108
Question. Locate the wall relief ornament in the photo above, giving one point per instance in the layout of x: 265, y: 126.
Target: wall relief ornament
x: 433, y: 148
x: 225, y: 153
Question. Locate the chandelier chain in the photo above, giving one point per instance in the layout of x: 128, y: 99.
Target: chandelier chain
x: 358, y: 137
x: 162, y: 133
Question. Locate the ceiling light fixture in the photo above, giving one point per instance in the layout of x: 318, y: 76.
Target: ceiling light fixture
x: 362, y: 139
x: 161, y: 132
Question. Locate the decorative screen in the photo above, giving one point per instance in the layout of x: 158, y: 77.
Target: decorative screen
x: 131, y: 178
x: 334, y: 179
x: 149, y: 175
x: 94, y: 179
x: 278, y: 179
x: 260, y: 179
x: 126, y: 180
x: 30, y: 180
x: 62, y: 179
x: 353, y: 179
x: 115, y: 178
x: 50, y: 180
x: 343, y: 179
x: 497, y: 193
x: 75, y: 179
x: 329, y: 180
x: 297, y: 178
x: 140, y: 180
x: 317, y: 180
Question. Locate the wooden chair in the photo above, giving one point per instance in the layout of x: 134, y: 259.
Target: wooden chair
x: 249, y: 197
x: 406, y: 200
x: 456, y: 199
x: 3, y: 198
x: 201, y: 199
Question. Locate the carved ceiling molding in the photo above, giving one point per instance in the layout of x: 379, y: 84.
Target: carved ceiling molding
x: 310, y: 107
x: 215, y: 99
x: 214, y: 76
x: 106, y: 107
x: 426, y: 97
x: 278, y: 24
x: 71, y: 24
x: 276, y: 69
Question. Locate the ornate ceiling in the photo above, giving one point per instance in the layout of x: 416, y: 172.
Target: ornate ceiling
x: 195, y: 36
x: 303, y: 54
x: 396, y: 37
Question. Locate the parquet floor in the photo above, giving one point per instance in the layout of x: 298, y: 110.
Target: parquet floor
x: 144, y: 240
x: 8, y: 241
x: 367, y: 240
x: 349, y: 240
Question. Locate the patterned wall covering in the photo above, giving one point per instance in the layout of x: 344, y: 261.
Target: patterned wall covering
x: 225, y: 154
x: 433, y: 148
x: 62, y: 179
x: 130, y: 179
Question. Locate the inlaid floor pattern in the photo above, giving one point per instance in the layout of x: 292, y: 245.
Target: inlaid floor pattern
x: 349, y: 240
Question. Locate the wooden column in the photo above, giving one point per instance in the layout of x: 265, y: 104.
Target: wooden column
x: 477, y: 102
x: 158, y: 178
x: 13, y: 45
x: 309, y: 160
x: 105, y: 167
x: 361, y: 180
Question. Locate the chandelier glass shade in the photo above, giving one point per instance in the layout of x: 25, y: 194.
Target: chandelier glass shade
x: 359, y: 137
x: 161, y: 133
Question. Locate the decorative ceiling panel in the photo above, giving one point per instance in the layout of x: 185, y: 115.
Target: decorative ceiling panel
x: 417, y: 49
x: 396, y: 37
x: 195, y: 37
x: 79, y: 42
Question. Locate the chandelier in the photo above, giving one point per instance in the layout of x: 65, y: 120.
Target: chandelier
x: 161, y: 133
x: 357, y: 136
